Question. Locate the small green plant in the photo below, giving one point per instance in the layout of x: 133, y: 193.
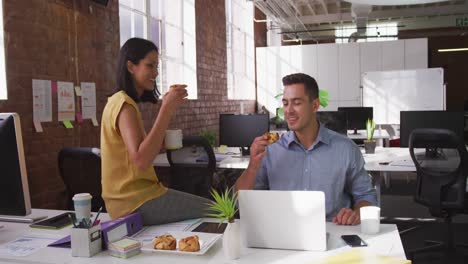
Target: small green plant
x: 210, y: 136
x: 370, y: 127
x: 324, y: 97
x: 224, y: 205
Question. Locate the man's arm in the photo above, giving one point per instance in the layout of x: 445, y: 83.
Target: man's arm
x: 257, y: 152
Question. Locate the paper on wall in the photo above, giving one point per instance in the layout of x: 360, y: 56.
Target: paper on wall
x: 88, y: 100
x: 66, y: 101
x: 42, y: 100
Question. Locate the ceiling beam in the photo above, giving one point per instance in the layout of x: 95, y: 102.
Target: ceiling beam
x: 324, y: 6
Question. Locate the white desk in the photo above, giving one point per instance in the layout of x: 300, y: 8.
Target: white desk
x: 386, y: 242
x: 379, y: 134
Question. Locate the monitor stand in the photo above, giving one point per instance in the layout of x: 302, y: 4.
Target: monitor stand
x: 20, y: 219
x: 355, y: 132
x: 245, y: 151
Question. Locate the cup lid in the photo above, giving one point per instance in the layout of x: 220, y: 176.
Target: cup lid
x: 82, y: 196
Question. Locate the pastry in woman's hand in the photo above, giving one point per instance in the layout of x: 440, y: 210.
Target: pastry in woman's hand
x: 165, y: 242
x: 190, y: 244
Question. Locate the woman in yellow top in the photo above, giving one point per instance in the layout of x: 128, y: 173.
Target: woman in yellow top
x: 129, y: 182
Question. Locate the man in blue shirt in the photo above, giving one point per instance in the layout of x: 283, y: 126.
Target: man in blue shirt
x: 310, y: 157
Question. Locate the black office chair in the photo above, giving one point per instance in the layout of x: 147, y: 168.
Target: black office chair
x: 80, y: 169
x: 192, y: 166
x: 441, y: 162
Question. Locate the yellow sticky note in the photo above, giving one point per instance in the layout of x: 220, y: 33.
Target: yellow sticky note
x: 78, y: 91
x: 95, y: 122
x: 67, y: 124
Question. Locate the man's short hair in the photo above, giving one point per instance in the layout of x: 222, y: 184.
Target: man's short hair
x: 310, y: 85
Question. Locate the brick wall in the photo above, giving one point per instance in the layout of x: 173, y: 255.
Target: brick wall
x: 78, y: 41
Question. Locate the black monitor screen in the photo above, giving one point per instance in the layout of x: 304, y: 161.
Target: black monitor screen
x: 357, y: 116
x: 241, y: 130
x: 333, y: 120
x: 410, y: 120
x: 14, y: 192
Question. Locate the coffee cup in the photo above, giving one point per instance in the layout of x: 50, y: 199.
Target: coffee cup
x: 173, y: 139
x: 370, y: 219
x: 82, y: 204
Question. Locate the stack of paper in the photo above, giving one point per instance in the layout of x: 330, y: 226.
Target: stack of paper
x: 125, y: 248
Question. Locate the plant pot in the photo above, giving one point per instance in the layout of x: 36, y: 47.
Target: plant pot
x: 231, y: 241
x: 369, y: 146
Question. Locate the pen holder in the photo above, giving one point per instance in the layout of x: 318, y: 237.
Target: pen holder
x: 86, y: 242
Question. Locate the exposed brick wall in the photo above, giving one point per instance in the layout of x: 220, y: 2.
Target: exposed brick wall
x: 77, y: 40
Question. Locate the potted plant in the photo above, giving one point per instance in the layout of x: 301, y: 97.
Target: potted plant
x: 224, y: 208
x: 210, y: 136
x: 370, y: 143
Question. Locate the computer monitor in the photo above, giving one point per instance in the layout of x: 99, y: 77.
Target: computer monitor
x: 410, y: 120
x: 240, y: 130
x: 334, y: 120
x: 14, y: 190
x: 357, y: 116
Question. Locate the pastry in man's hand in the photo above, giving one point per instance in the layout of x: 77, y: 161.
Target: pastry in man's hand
x: 272, y: 137
x: 165, y: 242
x: 190, y: 244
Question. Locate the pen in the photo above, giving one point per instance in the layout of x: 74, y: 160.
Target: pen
x: 71, y: 220
x: 95, y: 219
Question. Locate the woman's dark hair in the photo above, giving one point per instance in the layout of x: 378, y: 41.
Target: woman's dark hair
x: 134, y: 50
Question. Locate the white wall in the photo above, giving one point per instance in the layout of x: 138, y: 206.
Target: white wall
x: 336, y: 67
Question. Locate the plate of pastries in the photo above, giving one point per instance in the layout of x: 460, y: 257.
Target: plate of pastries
x: 178, y: 242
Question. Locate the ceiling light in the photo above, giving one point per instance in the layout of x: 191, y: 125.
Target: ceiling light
x: 452, y: 50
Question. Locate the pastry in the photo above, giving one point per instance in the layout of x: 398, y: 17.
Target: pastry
x: 272, y: 137
x: 190, y: 244
x: 165, y: 242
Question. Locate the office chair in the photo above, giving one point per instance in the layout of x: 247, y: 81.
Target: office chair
x: 192, y: 167
x: 80, y: 169
x: 441, y: 162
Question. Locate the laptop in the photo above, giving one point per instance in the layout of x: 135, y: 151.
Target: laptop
x: 283, y: 219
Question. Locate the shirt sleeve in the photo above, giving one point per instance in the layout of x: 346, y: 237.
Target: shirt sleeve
x: 358, y: 181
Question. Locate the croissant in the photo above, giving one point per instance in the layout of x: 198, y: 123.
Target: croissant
x: 190, y: 244
x: 165, y: 242
x: 272, y: 137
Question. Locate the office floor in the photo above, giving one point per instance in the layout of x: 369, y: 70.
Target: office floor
x: 398, y: 206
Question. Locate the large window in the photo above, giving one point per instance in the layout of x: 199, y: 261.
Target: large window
x: 376, y: 32
x: 3, y: 88
x: 171, y: 26
x: 240, y: 49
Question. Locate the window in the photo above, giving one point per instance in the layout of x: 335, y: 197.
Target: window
x: 240, y: 49
x: 3, y: 87
x: 171, y: 26
x: 376, y: 32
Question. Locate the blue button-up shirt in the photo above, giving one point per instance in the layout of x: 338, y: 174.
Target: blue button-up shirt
x: 333, y: 164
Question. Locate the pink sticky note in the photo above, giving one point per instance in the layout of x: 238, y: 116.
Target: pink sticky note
x: 54, y: 86
x: 79, y: 118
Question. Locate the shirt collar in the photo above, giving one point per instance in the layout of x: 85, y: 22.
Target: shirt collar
x: 323, y: 136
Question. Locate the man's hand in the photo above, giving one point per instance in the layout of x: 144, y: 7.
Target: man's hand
x: 257, y: 151
x: 347, y: 216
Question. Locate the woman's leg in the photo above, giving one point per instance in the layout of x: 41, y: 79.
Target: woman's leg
x: 173, y: 206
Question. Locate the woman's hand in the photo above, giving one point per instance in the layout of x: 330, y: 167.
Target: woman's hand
x: 175, y: 97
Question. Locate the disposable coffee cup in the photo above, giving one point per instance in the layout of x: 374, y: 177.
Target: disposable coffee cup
x: 173, y: 139
x: 370, y: 219
x: 82, y: 204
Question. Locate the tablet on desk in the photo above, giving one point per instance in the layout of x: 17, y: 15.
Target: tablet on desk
x: 56, y: 222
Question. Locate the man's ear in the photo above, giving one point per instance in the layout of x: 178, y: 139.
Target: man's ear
x: 130, y: 66
x: 316, y: 104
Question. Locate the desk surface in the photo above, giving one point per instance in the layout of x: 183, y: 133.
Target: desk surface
x: 373, y: 161
x: 362, y: 134
x: 386, y: 242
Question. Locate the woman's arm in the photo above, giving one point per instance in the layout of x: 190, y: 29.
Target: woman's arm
x: 143, y: 150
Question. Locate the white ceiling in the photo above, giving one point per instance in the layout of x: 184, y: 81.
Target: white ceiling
x: 313, y: 18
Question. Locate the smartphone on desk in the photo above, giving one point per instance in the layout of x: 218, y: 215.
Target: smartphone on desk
x: 56, y: 222
x: 354, y: 241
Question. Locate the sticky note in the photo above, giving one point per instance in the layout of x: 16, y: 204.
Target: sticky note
x: 79, y: 118
x: 38, y: 126
x: 67, y: 124
x: 54, y: 86
x: 78, y: 91
x: 95, y: 122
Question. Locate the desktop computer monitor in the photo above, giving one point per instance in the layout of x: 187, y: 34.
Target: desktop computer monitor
x: 334, y: 120
x: 410, y: 120
x: 240, y: 130
x: 14, y: 190
x: 357, y: 116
